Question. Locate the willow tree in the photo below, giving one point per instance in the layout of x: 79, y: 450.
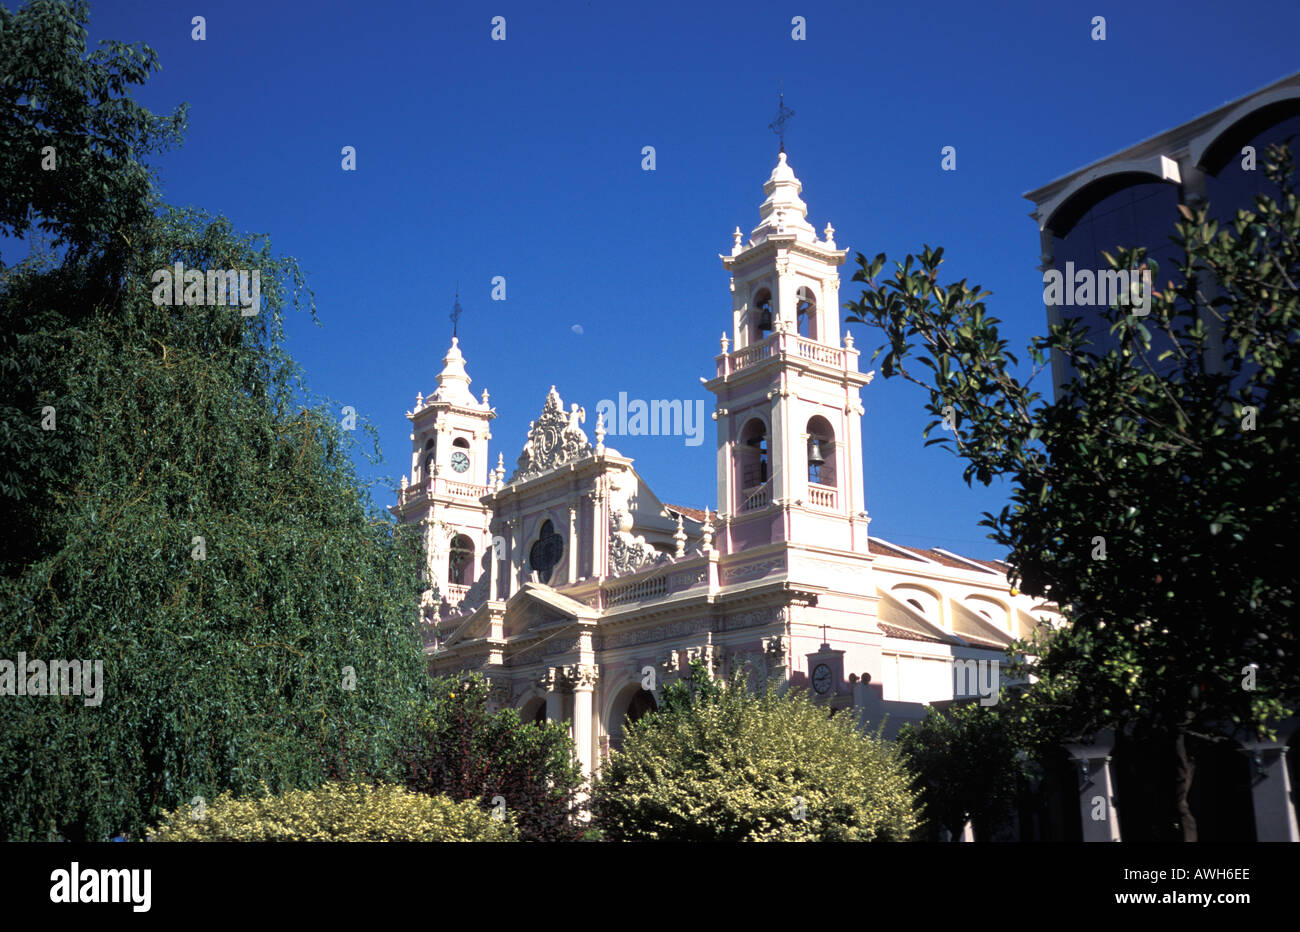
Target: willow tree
x: 190, y: 518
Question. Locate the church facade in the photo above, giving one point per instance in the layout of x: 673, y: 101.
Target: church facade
x: 578, y: 593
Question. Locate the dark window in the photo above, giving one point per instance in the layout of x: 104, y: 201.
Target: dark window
x: 546, y: 553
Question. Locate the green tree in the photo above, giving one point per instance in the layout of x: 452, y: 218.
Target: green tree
x: 721, y: 763
x: 72, y: 151
x: 191, y: 519
x: 463, y: 750
x: 1155, y: 497
x: 968, y: 765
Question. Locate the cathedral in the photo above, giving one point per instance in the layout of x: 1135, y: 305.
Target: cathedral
x: 578, y: 593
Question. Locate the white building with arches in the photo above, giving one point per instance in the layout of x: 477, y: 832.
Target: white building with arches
x: 579, y: 593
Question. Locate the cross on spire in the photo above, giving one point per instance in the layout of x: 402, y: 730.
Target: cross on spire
x: 783, y: 115
x: 456, y: 311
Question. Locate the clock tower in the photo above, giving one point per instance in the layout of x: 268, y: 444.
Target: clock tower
x: 449, y: 475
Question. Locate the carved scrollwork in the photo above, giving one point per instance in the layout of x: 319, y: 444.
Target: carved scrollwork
x: 554, y: 439
x: 628, y: 552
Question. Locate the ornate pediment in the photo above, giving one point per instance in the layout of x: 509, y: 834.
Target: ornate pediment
x: 554, y: 439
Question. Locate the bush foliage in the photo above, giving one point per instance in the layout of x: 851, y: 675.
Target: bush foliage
x: 467, y: 752
x: 334, y: 812
x: 721, y: 763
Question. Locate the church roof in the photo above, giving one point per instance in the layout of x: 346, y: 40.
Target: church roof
x: 453, y: 380
x: 903, y: 634
x: 693, y: 513
x: 934, y: 555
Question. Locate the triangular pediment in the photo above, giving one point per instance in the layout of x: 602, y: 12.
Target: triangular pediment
x: 537, y: 606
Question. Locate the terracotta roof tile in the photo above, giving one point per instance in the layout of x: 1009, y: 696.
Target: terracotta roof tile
x: 891, y: 631
x: 694, y: 514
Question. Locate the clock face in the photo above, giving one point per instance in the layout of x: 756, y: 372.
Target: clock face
x: 821, y: 679
x: 459, y: 461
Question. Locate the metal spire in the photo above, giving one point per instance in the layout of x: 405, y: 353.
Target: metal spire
x: 456, y: 311
x: 783, y: 115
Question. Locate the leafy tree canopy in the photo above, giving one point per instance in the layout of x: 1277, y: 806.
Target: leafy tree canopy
x: 721, y: 763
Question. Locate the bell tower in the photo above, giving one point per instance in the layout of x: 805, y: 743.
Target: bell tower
x: 449, y: 474
x: 789, y: 410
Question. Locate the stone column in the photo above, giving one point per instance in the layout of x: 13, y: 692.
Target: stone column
x: 550, y: 681
x: 1096, y: 785
x: 582, y: 679
x: 570, y: 544
x: 1271, y: 791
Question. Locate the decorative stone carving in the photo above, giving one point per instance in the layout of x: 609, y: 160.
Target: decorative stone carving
x: 549, y: 679
x: 668, y: 666
x: 762, y: 616
x: 711, y: 657
x: 629, y: 552
x: 775, y: 651
x: 581, y: 676
x: 554, y: 439
x: 662, y: 633
x: 753, y: 570
x: 546, y: 649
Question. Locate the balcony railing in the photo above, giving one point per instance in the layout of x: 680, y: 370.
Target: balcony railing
x: 439, y: 485
x: 784, y: 342
x: 454, y: 594
x: 821, y: 497
x: 755, y: 499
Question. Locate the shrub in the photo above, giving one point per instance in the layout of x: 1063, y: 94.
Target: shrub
x: 334, y: 812
x: 461, y: 749
x: 968, y: 767
x: 725, y: 764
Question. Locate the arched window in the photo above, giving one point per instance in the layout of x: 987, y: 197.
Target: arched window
x: 546, y: 552
x: 751, y: 455
x: 806, y: 312
x: 761, y: 316
x: 821, y: 452
x: 460, y: 562
x: 430, y: 448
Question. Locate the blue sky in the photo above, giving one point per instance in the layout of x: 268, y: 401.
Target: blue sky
x: 522, y: 159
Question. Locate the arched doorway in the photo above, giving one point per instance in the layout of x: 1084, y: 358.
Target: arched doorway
x: 533, y: 711
x: 632, y: 705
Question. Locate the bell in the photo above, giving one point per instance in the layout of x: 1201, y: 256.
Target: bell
x: 765, y: 322
x: 815, y: 457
